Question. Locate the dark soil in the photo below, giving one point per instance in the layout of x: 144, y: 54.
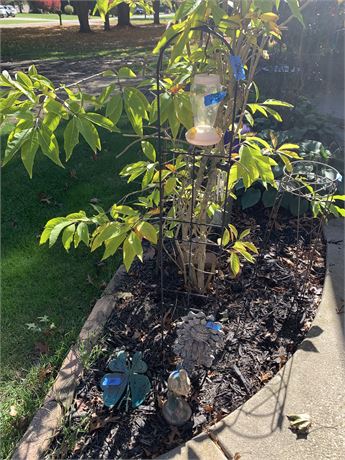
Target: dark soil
x: 264, y: 320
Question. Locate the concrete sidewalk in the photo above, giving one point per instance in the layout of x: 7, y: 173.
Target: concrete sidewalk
x: 312, y: 382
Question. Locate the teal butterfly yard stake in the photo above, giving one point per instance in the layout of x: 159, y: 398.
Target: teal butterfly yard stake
x: 125, y: 376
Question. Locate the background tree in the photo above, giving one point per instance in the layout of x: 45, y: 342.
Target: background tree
x: 106, y: 22
x: 156, y: 7
x: 45, y: 5
x: 123, y: 15
x: 82, y: 11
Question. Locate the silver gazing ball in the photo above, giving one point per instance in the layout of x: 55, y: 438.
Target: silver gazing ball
x: 198, y: 339
x: 176, y: 410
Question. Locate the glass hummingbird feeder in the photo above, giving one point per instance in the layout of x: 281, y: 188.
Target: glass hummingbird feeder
x: 206, y: 95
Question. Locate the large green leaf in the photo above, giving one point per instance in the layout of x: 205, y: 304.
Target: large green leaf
x: 49, y: 145
x: 126, y: 72
x: 183, y: 110
x: 177, y: 49
x: 49, y: 227
x: 83, y: 233
x: 29, y: 150
x: 114, y: 108
x: 24, y: 79
x: 89, y: 133
x: 135, y: 241
x: 107, y: 231
x: 99, y: 120
x: 234, y: 263
x: 53, y: 106
x: 187, y: 7
x: 148, y: 231
x: 294, y: 7
x: 149, y: 150
x: 14, y: 143
x: 112, y: 245
x: 128, y: 253
x: 54, y: 234
x: 277, y: 102
x: 169, y: 33
x: 136, y: 107
x: 51, y: 121
x: 67, y: 236
x: 71, y: 137
x: 250, y: 198
x: 254, y: 165
x: 173, y: 123
x: 136, y: 98
x: 268, y: 197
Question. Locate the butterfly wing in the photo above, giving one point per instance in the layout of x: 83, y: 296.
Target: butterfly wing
x: 140, y: 387
x: 138, y: 365
x: 119, y: 363
x: 113, y: 386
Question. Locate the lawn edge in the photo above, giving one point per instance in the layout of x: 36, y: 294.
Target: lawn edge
x: 46, y: 421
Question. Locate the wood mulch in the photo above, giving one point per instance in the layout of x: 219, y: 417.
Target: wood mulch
x: 263, y: 318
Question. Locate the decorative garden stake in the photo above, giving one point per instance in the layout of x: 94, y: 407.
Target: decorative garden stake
x: 123, y: 375
x: 198, y: 338
x: 176, y: 410
x: 206, y: 95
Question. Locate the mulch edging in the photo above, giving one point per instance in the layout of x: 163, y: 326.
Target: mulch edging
x: 43, y: 426
x: 47, y: 420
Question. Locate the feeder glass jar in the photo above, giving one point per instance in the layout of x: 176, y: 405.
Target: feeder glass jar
x: 205, y: 95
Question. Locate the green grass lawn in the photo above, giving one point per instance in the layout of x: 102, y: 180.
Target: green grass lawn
x: 38, y: 281
x: 49, y: 16
x: 22, y: 18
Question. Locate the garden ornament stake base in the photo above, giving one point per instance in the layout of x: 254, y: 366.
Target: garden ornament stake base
x: 176, y: 410
x: 125, y: 376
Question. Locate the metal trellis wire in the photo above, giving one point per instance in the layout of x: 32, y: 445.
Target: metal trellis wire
x: 191, y: 156
x: 311, y: 185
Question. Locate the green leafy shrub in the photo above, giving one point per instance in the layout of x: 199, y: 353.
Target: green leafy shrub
x: 39, y: 108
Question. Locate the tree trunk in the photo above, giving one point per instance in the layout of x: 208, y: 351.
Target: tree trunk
x: 123, y: 15
x: 59, y: 13
x: 20, y: 6
x: 107, y: 22
x: 81, y: 9
x: 156, y: 6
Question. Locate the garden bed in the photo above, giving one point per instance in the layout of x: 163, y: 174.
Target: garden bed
x: 263, y: 320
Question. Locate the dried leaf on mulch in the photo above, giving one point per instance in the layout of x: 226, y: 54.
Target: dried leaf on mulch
x: 299, y: 422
